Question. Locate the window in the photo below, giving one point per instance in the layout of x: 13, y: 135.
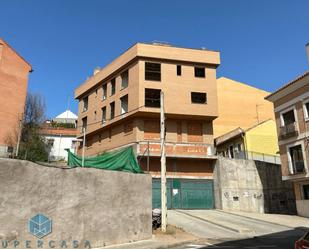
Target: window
x: 179, y: 70
x: 288, y: 118
x: 198, y: 98
x: 306, y: 110
x: 104, y: 89
x: 84, y: 124
x: 152, y: 71
x: 306, y: 191
x: 199, y: 72
x: 231, y: 151
x: 96, y: 93
x: 152, y: 97
x: 124, y: 104
x: 296, y: 159
x: 103, y: 114
x: 113, y: 86
x: 124, y: 79
x: 112, y: 106
x: 85, y: 103
x: 95, y: 115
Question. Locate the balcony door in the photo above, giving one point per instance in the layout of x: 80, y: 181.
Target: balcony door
x: 297, y: 159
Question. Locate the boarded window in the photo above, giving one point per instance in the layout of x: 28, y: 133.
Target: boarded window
x: 179, y: 132
x: 151, y: 130
x: 152, y: 71
x: 128, y: 127
x: 198, y: 98
x: 195, y: 132
x: 152, y: 97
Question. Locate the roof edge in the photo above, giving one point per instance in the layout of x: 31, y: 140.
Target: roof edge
x: 2, y: 41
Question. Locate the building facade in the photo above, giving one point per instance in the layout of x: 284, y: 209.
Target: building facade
x: 259, y: 142
x: 60, y: 134
x: 291, y: 104
x: 240, y: 105
x: 120, y: 106
x: 14, y: 74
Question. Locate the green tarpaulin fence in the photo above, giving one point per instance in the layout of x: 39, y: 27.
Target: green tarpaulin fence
x: 120, y: 160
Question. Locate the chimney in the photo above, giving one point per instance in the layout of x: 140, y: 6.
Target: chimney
x: 307, y: 49
x: 96, y: 70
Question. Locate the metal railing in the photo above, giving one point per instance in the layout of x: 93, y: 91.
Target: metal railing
x: 288, y: 130
x: 257, y: 156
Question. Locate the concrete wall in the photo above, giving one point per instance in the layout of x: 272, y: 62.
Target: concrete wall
x: 252, y: 186
x: 103, y: 207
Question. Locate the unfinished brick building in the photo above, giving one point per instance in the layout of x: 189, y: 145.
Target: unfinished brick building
x: 119, y: 106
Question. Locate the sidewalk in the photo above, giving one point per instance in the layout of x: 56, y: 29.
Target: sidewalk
x: 292, y: 221
x: 172, y: 238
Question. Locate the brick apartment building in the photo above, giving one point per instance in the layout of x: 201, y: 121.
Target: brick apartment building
x: 292, y: 117
x: 119, y: 106
x: 14, y: 73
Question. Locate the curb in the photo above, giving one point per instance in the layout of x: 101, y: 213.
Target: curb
x: 174, y: 244
x: 245, y: 231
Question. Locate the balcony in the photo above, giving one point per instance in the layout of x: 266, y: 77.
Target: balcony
x: 288, y: 131
x: 180, y: 150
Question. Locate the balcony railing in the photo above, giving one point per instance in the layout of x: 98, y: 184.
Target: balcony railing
x: 289, y: 130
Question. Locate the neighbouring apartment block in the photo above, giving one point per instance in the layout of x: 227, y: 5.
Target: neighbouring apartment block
x: 120, y: 106
x: 259, y: 142
x: 291, y: 104
x: 14, y: 74
x: 240, y: 105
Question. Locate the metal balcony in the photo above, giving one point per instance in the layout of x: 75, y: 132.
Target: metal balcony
x: 288, y: 131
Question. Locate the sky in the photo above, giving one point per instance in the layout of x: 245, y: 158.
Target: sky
x: 262, y: 42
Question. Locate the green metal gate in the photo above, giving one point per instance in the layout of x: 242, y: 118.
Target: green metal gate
x: 184, y: 194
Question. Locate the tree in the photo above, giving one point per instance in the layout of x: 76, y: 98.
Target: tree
x: 32, y: 145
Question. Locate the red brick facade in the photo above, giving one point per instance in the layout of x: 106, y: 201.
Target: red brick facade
x: 14, y: 72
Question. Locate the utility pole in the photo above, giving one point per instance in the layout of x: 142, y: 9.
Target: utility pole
x: 163, y: 165
x: 84, y: 142
x: 19, y: 136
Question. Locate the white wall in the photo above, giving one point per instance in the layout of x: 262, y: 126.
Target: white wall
x: 60, y: 143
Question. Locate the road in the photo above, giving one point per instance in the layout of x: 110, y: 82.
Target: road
x: 221, y: 230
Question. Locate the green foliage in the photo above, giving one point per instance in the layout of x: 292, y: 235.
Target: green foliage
x: 32, y: 146
x: 63, y: 125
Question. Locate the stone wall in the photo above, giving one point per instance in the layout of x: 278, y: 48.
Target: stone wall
x: 252, y: 186
x: 99, y: 206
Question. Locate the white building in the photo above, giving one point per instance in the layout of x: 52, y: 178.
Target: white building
x: 60, y: 134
